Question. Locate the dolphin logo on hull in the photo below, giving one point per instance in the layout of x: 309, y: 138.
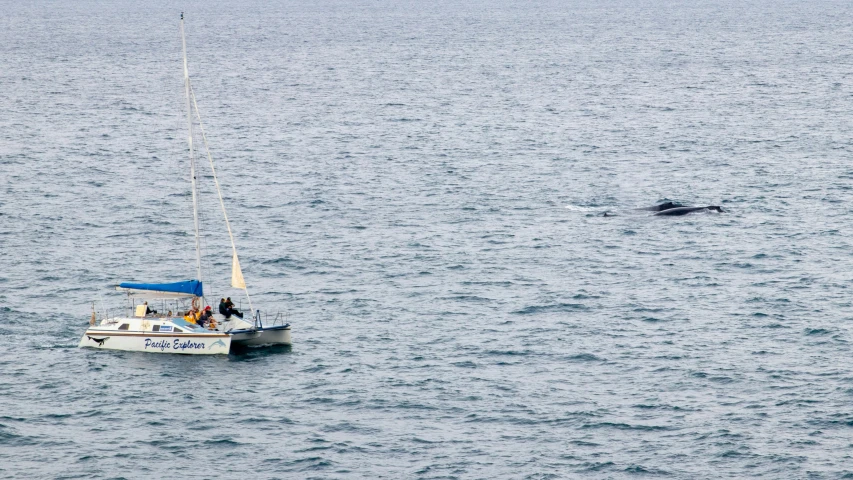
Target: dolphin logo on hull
x: 99, y: 341
x: 218, y: 342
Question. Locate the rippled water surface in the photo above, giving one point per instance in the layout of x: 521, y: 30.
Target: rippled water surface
x: 419, y: 186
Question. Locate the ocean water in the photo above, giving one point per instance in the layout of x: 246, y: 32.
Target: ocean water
x: 419, y: 188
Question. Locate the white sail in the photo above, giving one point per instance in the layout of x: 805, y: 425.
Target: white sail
x: 237, y: 274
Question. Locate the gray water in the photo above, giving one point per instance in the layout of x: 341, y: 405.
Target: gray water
x: 418, y: 187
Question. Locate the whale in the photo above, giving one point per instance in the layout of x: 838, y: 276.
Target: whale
x: 673, y: 212
x: 661, y: 207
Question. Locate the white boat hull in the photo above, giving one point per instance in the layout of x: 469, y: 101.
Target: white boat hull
x: 187, y: 331
x: 263, y: 336
x: 184, y: 343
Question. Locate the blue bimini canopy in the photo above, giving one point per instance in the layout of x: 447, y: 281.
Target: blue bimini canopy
x: 188, y: 288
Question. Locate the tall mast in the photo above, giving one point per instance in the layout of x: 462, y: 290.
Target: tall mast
x: 192, y: 157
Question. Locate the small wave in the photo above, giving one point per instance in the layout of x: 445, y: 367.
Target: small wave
x: 658, y: 407
x: 584, y: 357
x: 582, y: 443
x: 558, y: 307
x: 315, y: 369
x: 13, y: 439
x: 318, y: 448
x: 285, y: 260
x: 467, y: 298
x: 598, y: 466
x: 465, y: 364
x: 721, y: 379
x: 224, y: 442
x: 641, y: 470
x: 424, y: 441
x: 253, y: 420
x: 414, y: 406
x: 649, y: 310
x: 320, y: 400
x: 578, y: 208
x: 336, y: 292
x: 508, y: 352
x: 499, y: 284
x: 625, y: 426
x: 316, y: 462
x: 583, y: 296
x: 57, y: 416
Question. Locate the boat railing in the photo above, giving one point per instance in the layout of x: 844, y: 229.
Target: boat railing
x: 279, y: 319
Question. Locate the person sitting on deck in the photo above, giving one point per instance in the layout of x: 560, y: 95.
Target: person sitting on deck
x: 192, y: 315
x: 148, y: 310
x: 229, y: 305
x: 226, y: 307
x: 205, y: 316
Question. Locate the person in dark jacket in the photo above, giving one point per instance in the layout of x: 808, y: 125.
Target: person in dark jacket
x: 205, y: 317
x: 231, y: 310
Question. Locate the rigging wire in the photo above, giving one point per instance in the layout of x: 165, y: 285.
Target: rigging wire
x: 219, y: 192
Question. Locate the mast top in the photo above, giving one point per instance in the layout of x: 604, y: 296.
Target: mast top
x: 192, y: 157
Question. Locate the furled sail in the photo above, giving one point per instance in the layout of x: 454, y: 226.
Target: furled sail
x: 237, y: 274
x: 185, y: 289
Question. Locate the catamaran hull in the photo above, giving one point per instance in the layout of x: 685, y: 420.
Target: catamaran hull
x: 187, y: 344
x: 263, y: 336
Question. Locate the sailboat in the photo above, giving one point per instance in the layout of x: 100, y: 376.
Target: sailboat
x: 147, y: 330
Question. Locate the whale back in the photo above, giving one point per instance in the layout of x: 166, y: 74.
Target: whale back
x: 662, y: 207
x: 673, y: 212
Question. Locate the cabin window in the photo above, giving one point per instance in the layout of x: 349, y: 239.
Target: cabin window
x: 124, y: 326
x: 155, y: 328
x: 178, y: 330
